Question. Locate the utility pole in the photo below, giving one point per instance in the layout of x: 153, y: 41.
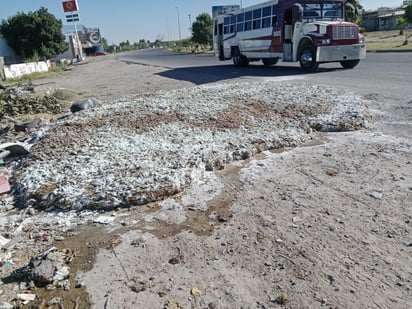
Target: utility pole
x: 178, y: 23
x: 190, y: 23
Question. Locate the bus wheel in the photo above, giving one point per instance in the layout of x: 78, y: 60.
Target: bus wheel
x: 307, y: 59
x: 221, y: 53
x: 238, y: 59
x: 269, y: 61
x: 349, y: 64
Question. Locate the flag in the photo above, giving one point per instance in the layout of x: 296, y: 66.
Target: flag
x: 70, y: 6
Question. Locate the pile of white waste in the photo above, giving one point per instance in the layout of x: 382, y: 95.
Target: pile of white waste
x: 144, y: 148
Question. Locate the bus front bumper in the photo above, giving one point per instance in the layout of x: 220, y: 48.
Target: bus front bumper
x: 340, y: 53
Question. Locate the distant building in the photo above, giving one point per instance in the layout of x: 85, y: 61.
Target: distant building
x: 382, y: 19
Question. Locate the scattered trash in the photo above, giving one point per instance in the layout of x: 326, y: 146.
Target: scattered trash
x: 6, y: 306
x: 61, y: 274
x: 104, y: 219
x: 12, y: 150
x: 84, y: 104
x: 3, y: 241
x: 20, y: 126
x: 4, y: 187
x: 26, y: 297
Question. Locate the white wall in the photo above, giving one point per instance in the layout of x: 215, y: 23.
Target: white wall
x: 17, y: 70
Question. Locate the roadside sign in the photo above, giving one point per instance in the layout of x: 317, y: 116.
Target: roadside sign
x: 70, y: 6
x: 72, y: 17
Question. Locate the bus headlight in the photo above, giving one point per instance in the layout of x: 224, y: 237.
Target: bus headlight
x: 361, y: 39
x: 324, y: 42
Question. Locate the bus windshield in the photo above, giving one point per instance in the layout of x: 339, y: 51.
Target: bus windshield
x: 322, y: 10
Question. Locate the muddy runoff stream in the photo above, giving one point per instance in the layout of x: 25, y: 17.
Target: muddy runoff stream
x: 84, y: 242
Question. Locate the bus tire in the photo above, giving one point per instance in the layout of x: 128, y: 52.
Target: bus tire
x: 238, y: 59
x: 349, y: 64
x: 269, y: 61
x: 307, y: 59
x: 221, y: 53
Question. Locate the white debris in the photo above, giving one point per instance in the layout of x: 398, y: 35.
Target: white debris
x: 144, y: 148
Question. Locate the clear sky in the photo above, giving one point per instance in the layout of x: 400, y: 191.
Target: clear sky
x: 141, y: 19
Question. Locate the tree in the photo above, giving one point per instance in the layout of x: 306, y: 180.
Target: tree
x: 408, y: 13
x: 202, y: 29
x: 34, y: 35
x: 142, y: 44
x: 401, y: 24
x: 105, y: 43
x: 353, y: 11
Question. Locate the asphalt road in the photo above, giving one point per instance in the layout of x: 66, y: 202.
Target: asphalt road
x: 388, y: 74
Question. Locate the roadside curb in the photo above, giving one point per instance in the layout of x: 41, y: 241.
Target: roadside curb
x: 390, y: 51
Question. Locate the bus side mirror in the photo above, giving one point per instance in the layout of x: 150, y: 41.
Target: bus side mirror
x: 300, y: 11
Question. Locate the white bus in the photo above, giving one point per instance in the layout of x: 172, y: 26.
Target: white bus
x: 311, y: 32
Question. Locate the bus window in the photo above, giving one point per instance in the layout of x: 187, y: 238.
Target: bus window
x: 232, y: 23
x: 240, y: 17
x: 248, y: 25
x: 240, y: 27
x: 266, y: 11
x: 274, y: 21
x: 257, y: 23
x: 266, y: 22
x: 257, y: 14
x: 248, y: 15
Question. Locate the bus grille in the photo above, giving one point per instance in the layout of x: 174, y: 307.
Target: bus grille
x: 345, y: 32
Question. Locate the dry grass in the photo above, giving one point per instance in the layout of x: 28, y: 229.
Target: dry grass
x: 388, y: 40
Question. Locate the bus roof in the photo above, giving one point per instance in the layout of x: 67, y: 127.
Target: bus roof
x: 233, y: 9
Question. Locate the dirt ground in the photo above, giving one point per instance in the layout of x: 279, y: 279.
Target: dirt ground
x: 324, y: 225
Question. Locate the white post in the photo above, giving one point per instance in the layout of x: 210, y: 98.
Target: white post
x: 79, y: 44
x: 178, y: 22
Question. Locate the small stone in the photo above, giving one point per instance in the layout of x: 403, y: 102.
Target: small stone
x: 296, y: 219
x: 376, y: 194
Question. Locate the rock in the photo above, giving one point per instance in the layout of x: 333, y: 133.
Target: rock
x: 84, y: 104
x: 42, y: 271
